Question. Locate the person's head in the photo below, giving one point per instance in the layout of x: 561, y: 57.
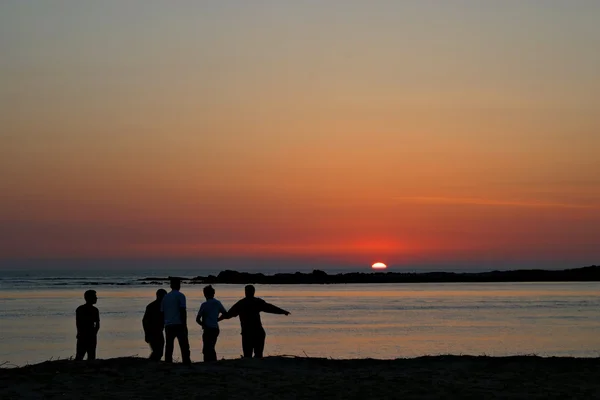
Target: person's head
x: 90, y: 297
x: 160, y: 293
x: 175, y: 283
x: 209, y: 292
x: 249, y: 289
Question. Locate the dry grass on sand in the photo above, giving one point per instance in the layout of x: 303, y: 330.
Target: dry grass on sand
x: 448, y: 377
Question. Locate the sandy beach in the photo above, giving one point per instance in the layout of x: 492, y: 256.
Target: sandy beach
x: 449, y: 377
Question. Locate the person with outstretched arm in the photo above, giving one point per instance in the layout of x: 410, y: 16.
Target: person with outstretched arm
x: 87, y: 319
x: 207, y: 318
x: 154, y: 324
x: 253, y: 333
x: 174, y: 309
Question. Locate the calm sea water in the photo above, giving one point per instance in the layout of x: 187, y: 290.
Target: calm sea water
x: 340, y: 321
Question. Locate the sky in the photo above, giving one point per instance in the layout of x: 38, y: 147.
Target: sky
x: 344, y: 131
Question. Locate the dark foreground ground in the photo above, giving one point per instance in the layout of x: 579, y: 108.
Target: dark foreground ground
x: 447, y: 377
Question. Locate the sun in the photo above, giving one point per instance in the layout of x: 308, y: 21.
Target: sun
x: 379, y: 265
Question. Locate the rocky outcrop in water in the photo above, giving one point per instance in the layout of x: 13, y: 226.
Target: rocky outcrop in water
x: 585, y: 274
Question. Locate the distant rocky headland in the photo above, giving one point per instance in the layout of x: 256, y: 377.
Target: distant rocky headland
x: 585, y: 274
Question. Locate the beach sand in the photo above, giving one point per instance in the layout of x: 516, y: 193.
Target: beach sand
x: 448, y: 377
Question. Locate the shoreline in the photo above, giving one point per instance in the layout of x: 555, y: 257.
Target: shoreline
x: 297, y: 377
x: 317, y: 277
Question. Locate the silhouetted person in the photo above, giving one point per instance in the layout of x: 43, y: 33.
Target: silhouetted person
x: 253, y: 333
x: 173, y: 307
x: 208, y: 317
x: 154, y: 324
x: 87, y: 319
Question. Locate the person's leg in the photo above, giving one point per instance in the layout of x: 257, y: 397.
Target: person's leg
x: 91, y: 348
x: 184, y: 344
x: 160, y: 346
x: 247, y: 345
x: 152, y: 344
x: 205, y: 344
x: 170, y: 343
x: 209, y: 340
x: 157, y: 343
x: 259, y: 343
x: 214, y: 343
x: 80, y: 352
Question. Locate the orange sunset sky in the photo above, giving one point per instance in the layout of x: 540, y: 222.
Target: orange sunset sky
x: 410, y: 132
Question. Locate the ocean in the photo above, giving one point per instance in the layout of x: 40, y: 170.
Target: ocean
x: 385, y: 321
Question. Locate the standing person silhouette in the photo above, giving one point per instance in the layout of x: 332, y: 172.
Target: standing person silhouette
x: 154, y: 324
x: 87, y: 319
x: 173, y: 307
x: 208, y: 318
x: 253, y: 333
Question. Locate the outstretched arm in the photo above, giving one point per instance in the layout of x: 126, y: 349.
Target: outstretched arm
x: 223, y: 316
x: 271, y: 309
x: 222, y: 311
x: 234, y: 311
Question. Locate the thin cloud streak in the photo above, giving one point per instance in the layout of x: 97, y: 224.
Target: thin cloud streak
x: 491, y: 202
